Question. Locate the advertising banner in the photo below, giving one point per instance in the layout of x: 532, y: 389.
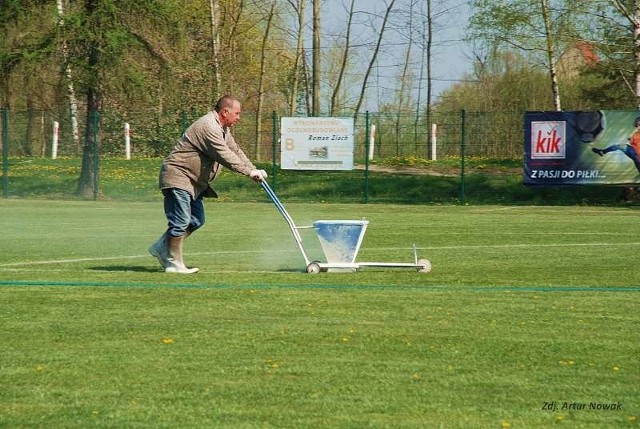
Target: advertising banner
x: 582, y: 148
x: 316, y: 143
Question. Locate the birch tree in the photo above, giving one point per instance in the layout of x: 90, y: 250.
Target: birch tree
x: 533, y: 28
x: 71, y: 92
x: 214, y: 16
x: 551, y: 57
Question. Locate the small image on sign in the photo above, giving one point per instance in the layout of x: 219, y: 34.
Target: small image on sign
x: 548, y: 140
x: 319, y: 152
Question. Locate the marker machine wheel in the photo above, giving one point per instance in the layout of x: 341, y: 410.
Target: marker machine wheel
x: 313, y: 268
x: 424, y: 265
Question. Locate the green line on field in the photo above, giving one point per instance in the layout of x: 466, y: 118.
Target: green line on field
x: 439, y: 288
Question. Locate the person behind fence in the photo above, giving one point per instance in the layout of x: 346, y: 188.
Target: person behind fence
x: 632, y: 149
x: 186, y: 176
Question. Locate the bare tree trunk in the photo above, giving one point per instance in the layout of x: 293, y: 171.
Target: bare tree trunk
x: 233, y: 34
x: 429, y: 73
x: 555, y: 89
x: 343, y: 65
x: 263, y: 56
x: 88, y: 184
x: 373, y: 60
x: 71, y: 92
x: 404, y: 76
x: 307, y: 84
x: 214, y: 9
x: 299, y: 8
x: 416, y: 120
x: 316, y: 59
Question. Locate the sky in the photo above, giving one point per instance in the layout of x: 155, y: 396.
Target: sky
x: 451, y: 57
x: 453, y: 60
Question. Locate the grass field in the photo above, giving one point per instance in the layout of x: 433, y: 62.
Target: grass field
x: 392, y: 181
x: 529, y: 319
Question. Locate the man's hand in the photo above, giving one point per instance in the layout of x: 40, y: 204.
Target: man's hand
x: 258, y: 175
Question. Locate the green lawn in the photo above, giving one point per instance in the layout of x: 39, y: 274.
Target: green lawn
x: 526, y: 307
x: 485, y: 182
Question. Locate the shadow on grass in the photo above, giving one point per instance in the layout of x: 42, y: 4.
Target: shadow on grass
x: 129, y: 268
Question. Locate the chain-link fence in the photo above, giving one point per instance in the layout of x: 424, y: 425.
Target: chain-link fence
x: 484, y: 134
x: 45, y: 135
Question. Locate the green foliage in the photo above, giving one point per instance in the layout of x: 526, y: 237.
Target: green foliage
x: 600, y: 76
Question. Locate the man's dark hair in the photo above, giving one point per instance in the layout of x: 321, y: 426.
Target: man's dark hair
x: 225, y: 102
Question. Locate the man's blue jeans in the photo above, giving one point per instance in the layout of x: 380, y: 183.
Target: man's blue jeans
x: 184, y: 214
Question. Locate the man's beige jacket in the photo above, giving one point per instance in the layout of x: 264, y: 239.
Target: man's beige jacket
x: 197, y: 158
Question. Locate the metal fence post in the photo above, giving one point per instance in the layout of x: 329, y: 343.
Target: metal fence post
x: 274, y: 144
x: 5, y: 153
x: 366, y: 157
x: 463, y: 119
x: 96, y: 156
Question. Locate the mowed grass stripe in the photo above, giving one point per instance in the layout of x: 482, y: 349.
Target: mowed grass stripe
x: 361, y: 288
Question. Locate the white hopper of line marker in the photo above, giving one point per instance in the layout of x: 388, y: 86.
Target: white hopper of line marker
x: 340, y: 239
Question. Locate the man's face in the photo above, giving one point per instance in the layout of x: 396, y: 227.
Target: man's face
x: 230, y: 115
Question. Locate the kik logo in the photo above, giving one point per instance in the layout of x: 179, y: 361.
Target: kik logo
x: 548, y: 140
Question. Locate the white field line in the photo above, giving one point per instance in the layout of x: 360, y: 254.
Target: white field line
x: 248, y: 252
x: 518, y: 246
x: 117, y: 258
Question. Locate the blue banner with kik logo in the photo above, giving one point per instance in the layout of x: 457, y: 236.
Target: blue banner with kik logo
x: 582, y: 148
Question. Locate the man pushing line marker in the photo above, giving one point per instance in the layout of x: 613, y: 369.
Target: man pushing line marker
x: 186, y: 176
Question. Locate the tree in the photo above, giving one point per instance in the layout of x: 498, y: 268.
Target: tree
x: 343, y: 63
x: 299, y: 8
x: 71, y: 91
x: 214, y: 8
x: 632, y: 14
x: 104, y: 35
x: 551, y: 57
x: 88, y: 184
x: 263, y: 55
x: 426, y: 55
x: 403, y: 92
x: 26, y: 38
x: 374, y: 56
x: 315, y: 109
x: 504, y: 85
x: 535, y: 28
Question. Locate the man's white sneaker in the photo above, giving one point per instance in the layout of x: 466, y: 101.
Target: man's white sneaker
x: 179, y: 269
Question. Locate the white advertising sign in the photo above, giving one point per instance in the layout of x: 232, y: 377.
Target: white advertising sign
x: 316, y: 143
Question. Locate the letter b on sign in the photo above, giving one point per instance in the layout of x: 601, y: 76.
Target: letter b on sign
x: 548, y: 140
